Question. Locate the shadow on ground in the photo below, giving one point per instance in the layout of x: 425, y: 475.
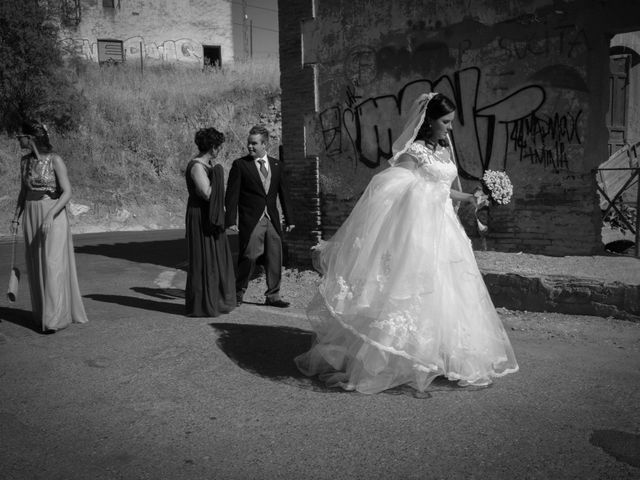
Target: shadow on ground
x: 168, y: 253
x: 161, y: 293
x: 623, y: 446
x: 269, y: 352
x: 143, y: 303
x: 21, y: 317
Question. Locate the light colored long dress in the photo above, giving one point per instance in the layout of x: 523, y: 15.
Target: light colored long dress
x: 402, y: 300
x: 53, y: 282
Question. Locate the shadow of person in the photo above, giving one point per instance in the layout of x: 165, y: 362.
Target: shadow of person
x: 166, y: 248
x: 143, y: 303
x: 623, y: 446
x: 268, y: 351
x: 168, y: 253
x: 161, y: 293
x: 23, y: 318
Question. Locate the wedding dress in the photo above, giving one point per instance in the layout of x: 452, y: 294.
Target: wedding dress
x: 401, y: 299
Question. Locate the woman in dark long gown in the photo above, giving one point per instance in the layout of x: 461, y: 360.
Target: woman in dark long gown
x: 210, y: 289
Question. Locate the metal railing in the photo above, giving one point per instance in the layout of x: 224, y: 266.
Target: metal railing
x: 633, y: 179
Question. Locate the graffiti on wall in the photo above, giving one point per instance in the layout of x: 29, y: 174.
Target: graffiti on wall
x: 518, y: 127
x: 543, y: 140
x: 485, y: 135
x: 559, y: 40
x: 182, y: 50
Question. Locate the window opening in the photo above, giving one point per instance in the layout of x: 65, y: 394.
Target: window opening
x: 110, y: 51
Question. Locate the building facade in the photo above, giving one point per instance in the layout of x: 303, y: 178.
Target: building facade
x: 190, y: 32
x: 531, y: 81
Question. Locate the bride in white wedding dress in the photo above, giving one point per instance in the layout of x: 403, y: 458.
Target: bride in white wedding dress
x: 402, y: 300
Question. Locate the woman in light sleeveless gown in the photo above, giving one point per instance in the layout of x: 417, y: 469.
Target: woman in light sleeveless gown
x: 401, y: 300
x: 44, y: 194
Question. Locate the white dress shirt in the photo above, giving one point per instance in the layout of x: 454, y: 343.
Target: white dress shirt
x: 266, y: 163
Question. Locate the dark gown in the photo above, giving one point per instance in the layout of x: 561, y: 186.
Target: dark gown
x: 211, y: 284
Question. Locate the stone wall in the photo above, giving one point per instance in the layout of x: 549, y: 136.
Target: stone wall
x: 167, y: 30
x: 529, y: 78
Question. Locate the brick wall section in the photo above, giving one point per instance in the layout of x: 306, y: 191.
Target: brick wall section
x: 170, y: 30
x: 298, y: 101
x: 550, y: 220
x: 334, y: 212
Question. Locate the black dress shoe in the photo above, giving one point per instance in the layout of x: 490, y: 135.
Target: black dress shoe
x: 276, y: 303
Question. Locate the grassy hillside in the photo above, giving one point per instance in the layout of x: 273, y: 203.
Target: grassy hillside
x: 126, y: 159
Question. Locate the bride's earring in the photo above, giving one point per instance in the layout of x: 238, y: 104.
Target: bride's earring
x: 428, y: 133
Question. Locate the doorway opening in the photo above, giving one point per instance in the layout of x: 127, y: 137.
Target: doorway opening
x: 618, y: 177
x: 212, y: 56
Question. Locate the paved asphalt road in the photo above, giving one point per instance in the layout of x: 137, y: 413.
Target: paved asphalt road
x: 142, y: 392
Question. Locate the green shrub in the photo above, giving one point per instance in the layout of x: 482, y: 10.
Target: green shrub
x: 34, y: 82
x: 130, y: 147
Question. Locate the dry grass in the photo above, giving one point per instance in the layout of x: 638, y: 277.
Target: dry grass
x: 136, y: 137
x: 298, y: 287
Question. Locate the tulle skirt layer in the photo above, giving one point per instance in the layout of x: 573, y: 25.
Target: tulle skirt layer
x: 402, y: 300
x: 53, y: 282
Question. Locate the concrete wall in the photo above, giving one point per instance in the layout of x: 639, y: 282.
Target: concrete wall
x: 169, y: 30
x: 529, y: 78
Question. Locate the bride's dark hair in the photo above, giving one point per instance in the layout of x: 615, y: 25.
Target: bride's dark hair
x: 439, y: 106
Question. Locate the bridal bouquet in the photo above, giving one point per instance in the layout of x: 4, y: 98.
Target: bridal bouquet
x: 498, y: 186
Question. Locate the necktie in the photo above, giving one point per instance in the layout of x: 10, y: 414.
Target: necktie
x: 263, y: 169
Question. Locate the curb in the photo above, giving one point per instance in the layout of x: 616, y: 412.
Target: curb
x: 564, y: 294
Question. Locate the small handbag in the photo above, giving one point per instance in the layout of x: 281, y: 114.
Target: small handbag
x: 14, y: 276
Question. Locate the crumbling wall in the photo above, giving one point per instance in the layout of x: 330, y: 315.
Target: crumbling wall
x: 157, y: 31
x: 529, y: 78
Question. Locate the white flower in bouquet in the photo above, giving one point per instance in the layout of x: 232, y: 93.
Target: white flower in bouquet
x: 498, y: 186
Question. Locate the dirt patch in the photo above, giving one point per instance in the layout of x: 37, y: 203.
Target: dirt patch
x: 609, y: 268
x: 576, y: 329
x: 298, y: 287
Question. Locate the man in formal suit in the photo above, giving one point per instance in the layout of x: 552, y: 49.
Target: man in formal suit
x: 254, y: 185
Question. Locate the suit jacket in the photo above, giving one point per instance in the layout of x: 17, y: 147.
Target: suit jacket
x: 246, y: 198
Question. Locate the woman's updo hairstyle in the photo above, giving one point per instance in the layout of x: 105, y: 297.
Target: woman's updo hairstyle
x: 38, y: 133
x: 439, y: 106
x: 208, y: 138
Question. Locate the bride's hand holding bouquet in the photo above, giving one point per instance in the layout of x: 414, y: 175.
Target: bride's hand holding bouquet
x: 496, y: 189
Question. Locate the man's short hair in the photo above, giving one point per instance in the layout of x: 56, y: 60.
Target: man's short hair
x: 260, y: 130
